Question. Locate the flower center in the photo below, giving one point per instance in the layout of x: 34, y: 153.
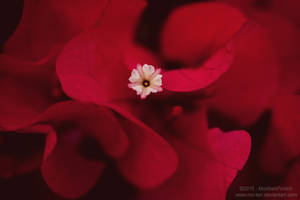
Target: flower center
x: 146, y: 83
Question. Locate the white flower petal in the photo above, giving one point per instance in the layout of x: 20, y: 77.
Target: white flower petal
x: 140, y: 70
x: 139, y: 89
x: 148, y: 71
x: 145, y: 92
x: 157, y: 80
x: 157, y: 88
x: 135, y: 76
x: 153, y: 90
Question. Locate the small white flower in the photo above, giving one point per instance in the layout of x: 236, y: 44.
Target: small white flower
x: 145, y: 79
